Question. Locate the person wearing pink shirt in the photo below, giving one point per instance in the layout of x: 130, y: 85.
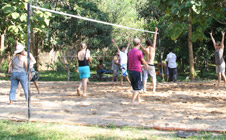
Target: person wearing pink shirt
x: 136, y: 58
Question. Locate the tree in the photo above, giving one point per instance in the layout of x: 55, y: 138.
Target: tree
x: 184, y: 15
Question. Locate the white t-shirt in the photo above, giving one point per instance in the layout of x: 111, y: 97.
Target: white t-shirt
x: 32, y: 61
x: 171, y: 59
x: 123, y: 57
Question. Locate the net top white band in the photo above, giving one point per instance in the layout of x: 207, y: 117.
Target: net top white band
x: 88, y: 19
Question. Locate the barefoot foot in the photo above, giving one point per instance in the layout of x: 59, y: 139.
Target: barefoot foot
x: 78, y: 92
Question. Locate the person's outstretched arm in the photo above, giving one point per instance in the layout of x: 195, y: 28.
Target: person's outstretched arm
x: 89, y: 56
x: 155, y: 37
x: 214, y: 42
x: 222, y: 41
x: 142, y: 48
x: 142, y: 37
x: 115, y: 44
x: 128, y: 44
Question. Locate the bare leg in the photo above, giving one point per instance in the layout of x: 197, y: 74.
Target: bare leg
x: 36, y: 85
x: 84, y: 83
x: 224, y: 78
x: 78, y: 89
x: 219, y: 79
x: 122, y: 78
x: 154, y: 84
x: 127, y: 78
x: 139, y: 99
x: 135, y: 94
x: 145, y: 85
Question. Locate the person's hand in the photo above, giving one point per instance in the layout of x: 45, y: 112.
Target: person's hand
x: 211, y: 33
x: 128, y: 39
x: 143, y: 35
x: 113, y: 40
x: 156, y: 29
x: 145, y: 66
x: 223, y: 33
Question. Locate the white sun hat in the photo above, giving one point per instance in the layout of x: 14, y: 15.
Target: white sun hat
x: 19, y: 48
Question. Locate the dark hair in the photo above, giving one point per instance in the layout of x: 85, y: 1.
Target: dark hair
x: 170, y: 49
x: 101, y: 61
x: 122, y: 47
x: 218, y: 43
x: 148, y: 43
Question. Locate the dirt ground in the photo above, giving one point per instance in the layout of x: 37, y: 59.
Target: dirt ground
x: 184, y: 104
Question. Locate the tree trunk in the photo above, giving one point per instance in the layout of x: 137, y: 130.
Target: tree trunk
x: 190, y: 48
x: 35, y: 44
x: 2, y: 41
x: 68, y: 73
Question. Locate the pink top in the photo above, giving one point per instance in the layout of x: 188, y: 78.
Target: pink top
x: 135, y: 57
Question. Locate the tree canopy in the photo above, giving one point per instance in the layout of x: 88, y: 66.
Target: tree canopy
x: 183, y: 25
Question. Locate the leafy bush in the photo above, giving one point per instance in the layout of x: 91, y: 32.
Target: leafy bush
x: 4, y: 66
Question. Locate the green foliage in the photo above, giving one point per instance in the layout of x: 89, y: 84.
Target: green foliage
x: 4, y: 66
x: 171, y: 17
x: 13, y: 22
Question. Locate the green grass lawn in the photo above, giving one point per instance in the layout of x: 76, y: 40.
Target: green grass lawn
x: 62, y: 76
x: 10, y: 130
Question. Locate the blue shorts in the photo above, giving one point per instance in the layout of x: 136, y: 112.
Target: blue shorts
x: 136, y: 80
x: 124, y: 70
x: 84, y: 72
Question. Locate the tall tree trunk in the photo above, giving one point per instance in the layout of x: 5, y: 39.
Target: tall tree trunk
x: 3, y: 41
x: 35, y: 49
x: 190, y: 48
x: 68, y: 73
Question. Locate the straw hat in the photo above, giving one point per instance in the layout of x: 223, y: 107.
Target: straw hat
x: 19, y: 48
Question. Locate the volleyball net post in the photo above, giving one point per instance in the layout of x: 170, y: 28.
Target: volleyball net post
x: 28, y: 57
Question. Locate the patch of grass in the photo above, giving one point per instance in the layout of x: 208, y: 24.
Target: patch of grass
x: 10, y: 130
x: 57, y: 76
x: 62, y: 76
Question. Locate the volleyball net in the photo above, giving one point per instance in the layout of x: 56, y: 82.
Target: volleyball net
x: 89, y: 19
x: 71, y: 51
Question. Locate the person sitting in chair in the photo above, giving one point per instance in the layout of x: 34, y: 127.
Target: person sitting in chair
x: 101, y: 68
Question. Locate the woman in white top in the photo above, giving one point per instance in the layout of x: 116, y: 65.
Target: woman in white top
x: 19, y: 67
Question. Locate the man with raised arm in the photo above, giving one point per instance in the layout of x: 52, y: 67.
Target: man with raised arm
x: 135, y: 70
x: 149, y: 52
x: 123, y: 60
x: 219, y: 60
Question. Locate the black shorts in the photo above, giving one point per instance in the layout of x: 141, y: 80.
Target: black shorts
x: 136, y: 80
